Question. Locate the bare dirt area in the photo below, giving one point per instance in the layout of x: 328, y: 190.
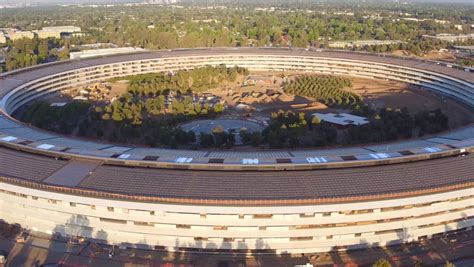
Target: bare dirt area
x: 262, y: 91
x: 118, y: 88
x: 266, y: 96
x: 440, y: 55
x: 443, y: 55
x: 397, y: 95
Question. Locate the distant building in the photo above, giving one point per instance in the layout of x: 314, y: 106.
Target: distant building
x: 450, y: 37
x: 47, y: 34
x: 458, y: 27
x: 94, y: 46
x: 3, y: 38
x: 441, y: 21
x: 345, y: 13
x: 62, y: 29
x: 360, y: 43
x: 265, y: 9
x: 412, y: 19
x: 342, y: 119
x: 77, y: 34
x: 161, y: 2
x: 16, y: 35
x: 57, y: 31
x: 104, y: 52
x: 80, y: 98
x: 465, y: 51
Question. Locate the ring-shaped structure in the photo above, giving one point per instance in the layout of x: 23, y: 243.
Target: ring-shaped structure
x: 279, y: 201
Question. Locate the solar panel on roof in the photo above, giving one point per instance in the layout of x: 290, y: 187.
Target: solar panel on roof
x: 406, y: 153
x: 216, y: 161
x: 282, y: 161
x: 347, y: 158
x: 151, y: 158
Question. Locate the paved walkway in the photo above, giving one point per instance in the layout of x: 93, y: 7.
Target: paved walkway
x: 39, y: 250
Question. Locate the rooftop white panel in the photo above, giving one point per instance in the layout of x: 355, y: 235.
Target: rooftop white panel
x: 8, y: 138
x: 104, y: 52
x: 45, y: 146
x: 342, y: 118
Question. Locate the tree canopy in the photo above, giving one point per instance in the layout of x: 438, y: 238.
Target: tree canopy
x: 328, y: 89
x: 242, y: 24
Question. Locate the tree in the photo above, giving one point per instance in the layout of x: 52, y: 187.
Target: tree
x: 256, y: 139
x: 418, y: 263
x: 117, y: 116
x: 218, y: 129
x: 220, y: 138
x: 245, y: 136
x: 230, y: 140
x: 191, y: 136
x: 328, y: 89
x: 43, y: 49
x: 218, y: 108
x: 273, y: 139
x: 382, y: 263
x: 64, y: 52
x: 316, y: 120
x: 206, y: 140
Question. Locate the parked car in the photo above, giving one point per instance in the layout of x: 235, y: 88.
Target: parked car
x: 3, y: 258
x: 21, y: 237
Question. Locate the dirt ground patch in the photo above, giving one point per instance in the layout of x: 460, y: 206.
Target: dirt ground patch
x: 118, y: 88
x: 266, y: 94
x: 432, y: 55
x: 376, y: 93
x: 397, y: 95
